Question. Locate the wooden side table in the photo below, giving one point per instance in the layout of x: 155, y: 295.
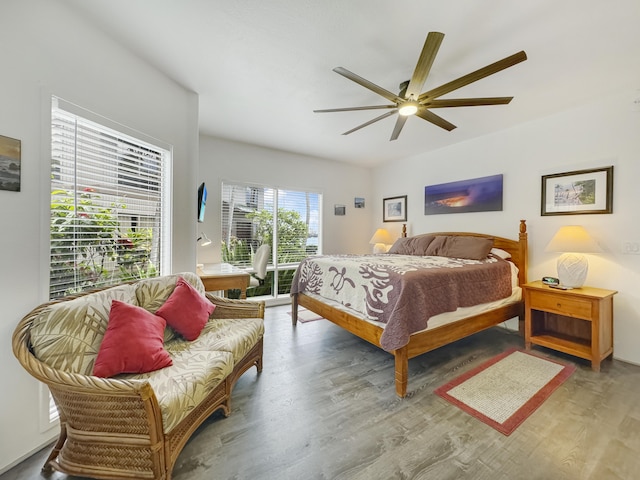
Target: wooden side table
x: 578, y: 321
x: 223, y: 276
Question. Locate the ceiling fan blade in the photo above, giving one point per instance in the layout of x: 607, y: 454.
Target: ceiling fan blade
x: 467, y: 102
x: 474, y: 76
x: 349, y: 109
x: 429, y: 116
x: 384, y: 115
x: 392, y: 97
x: 402, y: 119
x: 423, y: 67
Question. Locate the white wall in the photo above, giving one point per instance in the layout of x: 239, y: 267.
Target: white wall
x: 595, y: 135
x: 47, y: 50
x: 338, y: 182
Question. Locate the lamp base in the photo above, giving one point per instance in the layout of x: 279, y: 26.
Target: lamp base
x: 572, y: 270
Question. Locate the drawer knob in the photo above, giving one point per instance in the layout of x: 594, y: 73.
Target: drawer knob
x: 559, y: 305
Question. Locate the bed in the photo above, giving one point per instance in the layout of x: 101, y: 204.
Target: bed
x: 465, y: 321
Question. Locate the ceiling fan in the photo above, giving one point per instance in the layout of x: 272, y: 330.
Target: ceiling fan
x: 409, y: 101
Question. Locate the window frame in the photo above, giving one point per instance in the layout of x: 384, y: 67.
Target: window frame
x: 274, y: 266
x: 48, y: 417
x: 139, y: 141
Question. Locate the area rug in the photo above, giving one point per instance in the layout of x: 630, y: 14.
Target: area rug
x: 305, y: 315
x: 505, y: 390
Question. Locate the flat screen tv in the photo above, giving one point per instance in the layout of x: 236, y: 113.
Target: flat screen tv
x: 202, y: 201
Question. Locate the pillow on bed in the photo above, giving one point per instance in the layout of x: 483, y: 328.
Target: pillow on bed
x: 473, y: 248
x: 500, y: 253
x: 412, y: 245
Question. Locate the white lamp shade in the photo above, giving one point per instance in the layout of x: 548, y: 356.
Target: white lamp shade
x: 573, y: 238
x: 572, y: 241
x: 380, y: 240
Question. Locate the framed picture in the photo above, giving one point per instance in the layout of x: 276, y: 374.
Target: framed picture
x: 579, y: 192
x: 394, y: 209
x: 482, y: 194
x: 10, y: 163
x: 339, y: 209
x: 358, y: 202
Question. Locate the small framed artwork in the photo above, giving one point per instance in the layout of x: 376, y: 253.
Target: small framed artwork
x: 358, y: 202
x: 394, y: 209
x: 339, y: 209
x: 578, y: 192
x: 10, y: 153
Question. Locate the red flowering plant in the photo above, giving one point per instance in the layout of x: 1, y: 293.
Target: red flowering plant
x: 87, y: 249
x: 134, y: 252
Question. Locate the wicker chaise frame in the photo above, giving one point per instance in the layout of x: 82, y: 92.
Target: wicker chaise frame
x: 112, y: 428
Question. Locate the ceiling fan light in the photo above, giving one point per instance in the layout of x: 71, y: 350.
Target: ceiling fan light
x: 408, y: 108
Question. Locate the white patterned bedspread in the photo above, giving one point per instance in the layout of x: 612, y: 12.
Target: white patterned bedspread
x: 403, y: 291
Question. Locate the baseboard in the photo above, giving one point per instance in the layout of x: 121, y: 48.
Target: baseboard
x: 18, y: 461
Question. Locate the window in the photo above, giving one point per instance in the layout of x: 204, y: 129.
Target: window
x: 109, y: 203
x: 109, y: 208
x: 287, y: 220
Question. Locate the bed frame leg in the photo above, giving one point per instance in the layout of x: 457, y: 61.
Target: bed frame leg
x: 294, y: 309
x: 402, y: 371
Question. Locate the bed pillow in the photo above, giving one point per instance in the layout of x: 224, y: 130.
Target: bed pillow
x: 498, y: 252
x: 412, y: 245
x: 132, y: 343
x: 186, y: 310
x: 469, y: 247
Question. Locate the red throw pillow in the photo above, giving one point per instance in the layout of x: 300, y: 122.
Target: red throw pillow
x: 133, y: 342
x: 186, y: 310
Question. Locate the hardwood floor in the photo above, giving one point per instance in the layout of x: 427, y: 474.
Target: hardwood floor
x: 325, y: 407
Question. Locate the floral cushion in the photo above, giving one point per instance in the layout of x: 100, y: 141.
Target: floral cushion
x: 234, y: 335
x: 67, y: 335
x: 181, y: 387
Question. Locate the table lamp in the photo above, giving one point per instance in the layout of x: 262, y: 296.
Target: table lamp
x: 573, y: 241
x: 380, y: 240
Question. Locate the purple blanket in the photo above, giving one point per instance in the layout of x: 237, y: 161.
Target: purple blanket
x: 403, y: 291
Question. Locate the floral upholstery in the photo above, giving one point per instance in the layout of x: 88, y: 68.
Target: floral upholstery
x: 147, y: 417
x: 234, y: 335
x: 183, y: 386
x: 67, y: 335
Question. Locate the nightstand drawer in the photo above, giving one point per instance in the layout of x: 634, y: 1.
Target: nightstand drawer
x: 561, y: 304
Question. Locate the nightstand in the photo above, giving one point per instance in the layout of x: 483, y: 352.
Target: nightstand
x: 578, y: 321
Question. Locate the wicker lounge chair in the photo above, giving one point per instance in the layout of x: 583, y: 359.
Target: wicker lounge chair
x: 135, y: 425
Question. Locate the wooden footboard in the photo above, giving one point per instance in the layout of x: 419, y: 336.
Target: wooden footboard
x: 431, y: 339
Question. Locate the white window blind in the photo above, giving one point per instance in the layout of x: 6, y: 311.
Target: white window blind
x: 109, y: 204
x: 287, y: 220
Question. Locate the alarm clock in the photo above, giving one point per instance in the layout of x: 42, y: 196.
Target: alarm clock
x: 550, y: 281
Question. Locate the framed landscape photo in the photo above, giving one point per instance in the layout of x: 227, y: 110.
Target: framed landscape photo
x: 578, y: 192
x: 473, y: 195
x: 394, y: 209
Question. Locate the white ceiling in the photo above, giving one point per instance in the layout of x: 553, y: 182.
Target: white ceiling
x: 260, y: 67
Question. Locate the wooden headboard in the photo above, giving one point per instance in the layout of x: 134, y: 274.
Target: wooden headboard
x: 517, y: 248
